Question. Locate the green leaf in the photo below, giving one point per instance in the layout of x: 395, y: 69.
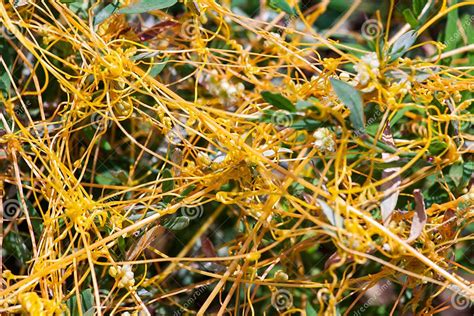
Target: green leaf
x: 71, y: 305
x: 90, y: 312
x: 177, y: 223
x: 456, y: 173
x: 469, y: 30
x: 122, y: 245
x: 402, y: 111
x: 410, y: 17
x: 302, y: 105
x: 5, y: 83
x: 105, y: 13
x: 143, y: 6
x: 468, y: 172
x: 14, y: 244
x: 107, y: 178
x: 186, y: 192
x: 36, y: 220
x: 352, y: 99
x: 402, y: 45
x: 168, y: 184
x: 158, y: 68
x: 281, y: 5
x: 310, y: 310
x: 278, y: 100
x: 87, y: 299
x: 451, y: 33
x: 437, y: 147
x: 306, y: 124
x: 87, y: 302
x: 418, y: 6
x: 334, y: 218
x: 106, y: 146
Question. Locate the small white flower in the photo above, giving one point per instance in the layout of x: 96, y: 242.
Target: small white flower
x: 227, y: 92
x: 324, y: 139
x: 270, y: 43
x: 125, y: 275
x: 345, y: 76
x: 369, y: 65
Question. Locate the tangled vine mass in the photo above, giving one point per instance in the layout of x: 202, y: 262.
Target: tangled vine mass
x: 236, y: 157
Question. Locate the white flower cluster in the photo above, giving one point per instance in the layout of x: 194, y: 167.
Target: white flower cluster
x: 269, y: 43
x: 124, y: 274
x: 324, y: 140
x: 227, y: 92
x: 367, y: 67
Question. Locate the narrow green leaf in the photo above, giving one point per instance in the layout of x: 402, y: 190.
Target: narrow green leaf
x: 306, y: 124
x: 14, y: 244
x: 186, y: 192
x: 352, y: 99
x: 281, y: 5
x: 5, y: 83
x: 168, y: 184
x: 410, y: 17
x: 402, y: 111
x: 437, y: 147
x: 310, y: 310
x: 302, y: 105
x: 402, y: 45
x: 418, y: 6
x: 469, y: 30
x: 334, y: 218
x: 105, y: 13
x: 122, y: 245
x: 158, y: 68
x: 451, y: 33
x: 278, y: 100
x: 177, y: 223
x: 143, y: 6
